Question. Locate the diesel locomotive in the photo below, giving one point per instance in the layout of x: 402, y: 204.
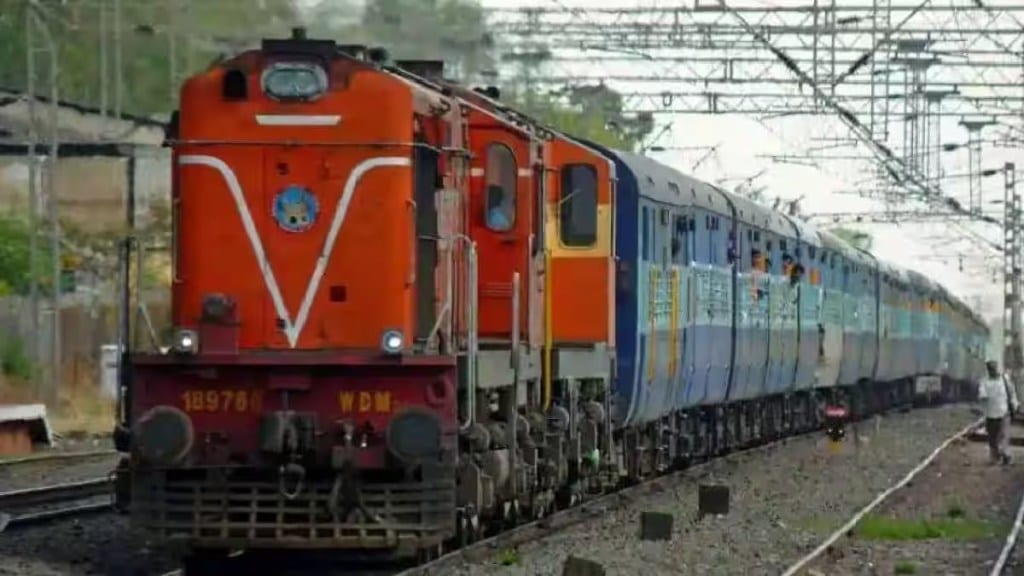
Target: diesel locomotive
x: 407, y: 313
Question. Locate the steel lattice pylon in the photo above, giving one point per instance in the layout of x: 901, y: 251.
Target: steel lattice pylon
x: 1012, y: 245
x: 891, y: 71
x: 906, y: 79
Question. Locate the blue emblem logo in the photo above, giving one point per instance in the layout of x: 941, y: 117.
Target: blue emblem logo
x: 296, y: 209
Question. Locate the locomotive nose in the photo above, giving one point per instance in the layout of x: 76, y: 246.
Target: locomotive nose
x: 163, y: 436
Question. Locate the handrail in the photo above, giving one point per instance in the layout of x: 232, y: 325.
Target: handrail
x: 674, y: 324
x: 472, y: 328
x: 548, y: 331
x: 513, y: 405
x: 514, y: 356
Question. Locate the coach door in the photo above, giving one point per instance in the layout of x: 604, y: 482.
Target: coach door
x: 501, y: 212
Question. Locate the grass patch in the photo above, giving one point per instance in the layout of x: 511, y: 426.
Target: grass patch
x: 508, y: 557
x: 905, y: 567
x: 949, y: 528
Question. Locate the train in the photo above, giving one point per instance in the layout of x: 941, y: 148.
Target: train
x: 408, y: 315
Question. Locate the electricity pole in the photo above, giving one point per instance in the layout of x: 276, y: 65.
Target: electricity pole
x: 35, y: 23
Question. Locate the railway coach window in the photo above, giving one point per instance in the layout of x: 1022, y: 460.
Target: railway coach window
x: 578, y: 205
x: 500, y: 209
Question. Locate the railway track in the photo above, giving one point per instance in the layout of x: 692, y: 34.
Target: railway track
x: 61, y: 457
x: 532, y: 530
x: 566, y: 518
x: 19, y: 508
x: 806, y: 561
x: 599, y: 506
x: 1000, y: 566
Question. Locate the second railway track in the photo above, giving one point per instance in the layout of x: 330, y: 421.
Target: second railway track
x: 19, y: 508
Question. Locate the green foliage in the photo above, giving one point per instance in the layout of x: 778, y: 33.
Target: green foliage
x: 455, y: 31
x: 508, y: 557
x: 204, y: 31
x: 595, y: 116
x: 13, y: 360
x: 451, y: 30
x: 15, y: 277
x: 853, y: 237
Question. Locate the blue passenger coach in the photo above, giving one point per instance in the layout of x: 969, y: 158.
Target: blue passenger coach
x: 733, y: 319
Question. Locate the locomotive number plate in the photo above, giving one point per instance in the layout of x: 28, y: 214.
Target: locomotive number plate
x: 378, y: 402
x: 222, y: 400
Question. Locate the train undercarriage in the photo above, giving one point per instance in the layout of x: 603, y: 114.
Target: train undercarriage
x: 563, y: 460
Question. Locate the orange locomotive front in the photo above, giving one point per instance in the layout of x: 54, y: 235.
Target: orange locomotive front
x: 310, y: 397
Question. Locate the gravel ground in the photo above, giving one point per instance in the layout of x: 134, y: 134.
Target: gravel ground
x: 784, y: 502
x: 97, y: 545
x: 960, y: 496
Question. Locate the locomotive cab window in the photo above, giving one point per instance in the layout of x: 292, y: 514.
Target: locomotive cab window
x: 578, y: 206
x: 500, y: 188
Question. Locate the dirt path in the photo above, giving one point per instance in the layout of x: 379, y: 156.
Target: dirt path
x: 951, y: 520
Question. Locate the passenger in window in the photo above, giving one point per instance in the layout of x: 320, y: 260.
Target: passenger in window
x: 497, y: 211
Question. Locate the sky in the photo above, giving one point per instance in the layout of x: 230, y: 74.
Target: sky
x: 936, y: 248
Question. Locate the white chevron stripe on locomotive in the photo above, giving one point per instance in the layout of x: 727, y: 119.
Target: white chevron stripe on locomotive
x: 293, y: 328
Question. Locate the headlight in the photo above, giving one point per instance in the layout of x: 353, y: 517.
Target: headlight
x: 289, y: 81
x: 186, y: 342
x: 163, y: 436
x: 392, y: 341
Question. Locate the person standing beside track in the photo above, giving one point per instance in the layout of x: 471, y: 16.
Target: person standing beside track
x: 1000, y: 401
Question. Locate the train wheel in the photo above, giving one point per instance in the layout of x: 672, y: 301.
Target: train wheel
x: 429, y: 553
x: 462, y: 530
x: 474, y: 527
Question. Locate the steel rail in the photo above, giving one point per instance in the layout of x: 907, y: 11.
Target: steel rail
x: 599, y: 506
x: 1010, y: 543
x: 54, y: 493
x: 57, y: 456
x: 852, y: 523
x: 35, y: 505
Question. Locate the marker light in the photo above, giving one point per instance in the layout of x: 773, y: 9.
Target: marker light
x: 391, y: 342
x: 186, y: 342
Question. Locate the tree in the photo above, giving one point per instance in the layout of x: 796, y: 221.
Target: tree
x: 576, y: 121
x: 450, y: 30
x: 591, y: 113
x: 202, y: 33
x: 15, y: 258
x: 455, y: 31
x: 856, y: 238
